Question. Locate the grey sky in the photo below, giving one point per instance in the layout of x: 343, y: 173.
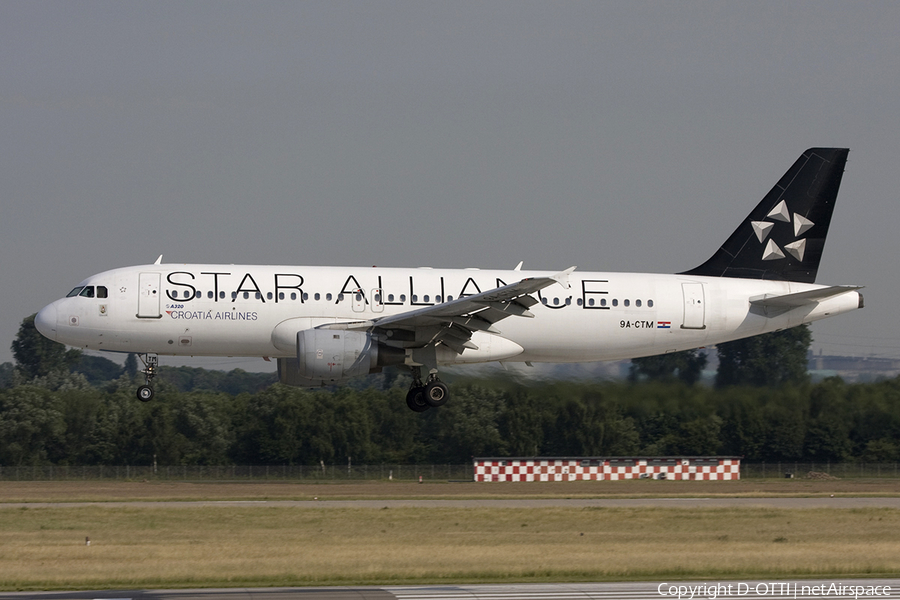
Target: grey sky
x: 627, y: 136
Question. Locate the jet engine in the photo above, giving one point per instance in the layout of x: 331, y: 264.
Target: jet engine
x: 326, y: 356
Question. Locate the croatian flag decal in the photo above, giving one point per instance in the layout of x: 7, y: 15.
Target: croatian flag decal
x: 664, y: 324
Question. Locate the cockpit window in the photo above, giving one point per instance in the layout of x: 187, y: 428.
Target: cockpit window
x: 75, y: 292
x: 87, y: 292
x: 101, y: 291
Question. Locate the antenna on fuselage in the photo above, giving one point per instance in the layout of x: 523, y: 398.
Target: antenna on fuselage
x: 158, y: 260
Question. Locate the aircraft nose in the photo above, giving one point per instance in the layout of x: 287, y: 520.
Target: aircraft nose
x: 45, y: 321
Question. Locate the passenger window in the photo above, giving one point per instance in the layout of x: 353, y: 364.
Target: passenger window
x: 305, y: 296
x: 222, y: 295
x: 328, y: 297
x: 317, y: 297
x: 637, y: 303
x: 437, y: 299
x: 390, y: 297
x: 209, y: 295
x: 293, y: 295
x: 269, y: 295
x: 449, y: 298
x: 87, y: 292
x: 615, y: 302
x: 246, y: 295
x: 650, y: 303
x: 626, y: 302
x: 602, y: 301
x: 402, y: 297
x: 198, y: 294
x: 187, y: 294
x: 425, y: 298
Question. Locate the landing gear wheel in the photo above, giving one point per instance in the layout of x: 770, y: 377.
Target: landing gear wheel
x: 145, y: 393
x: 151, y: 363
x: 436, y: 393
x: 415, y: 399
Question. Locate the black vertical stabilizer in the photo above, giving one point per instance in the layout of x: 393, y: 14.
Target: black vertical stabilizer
x: 784, y: 235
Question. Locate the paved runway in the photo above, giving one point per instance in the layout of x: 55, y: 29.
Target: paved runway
x: 502, y: 503
x: 802, y: 589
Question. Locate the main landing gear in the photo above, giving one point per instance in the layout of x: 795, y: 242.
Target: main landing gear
x: 433, y: 393
x: 151, y: 362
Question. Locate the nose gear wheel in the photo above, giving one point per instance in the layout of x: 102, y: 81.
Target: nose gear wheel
x: 145, y: 392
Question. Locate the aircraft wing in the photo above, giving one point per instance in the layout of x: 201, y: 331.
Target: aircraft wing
x: 452, y: 323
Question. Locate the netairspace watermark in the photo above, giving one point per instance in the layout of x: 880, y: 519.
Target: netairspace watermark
x: 711, y: 591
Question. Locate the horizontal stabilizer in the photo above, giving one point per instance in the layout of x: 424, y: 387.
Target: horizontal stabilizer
x: 803, y: 298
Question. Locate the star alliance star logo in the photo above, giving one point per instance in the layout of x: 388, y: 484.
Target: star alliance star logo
x: 762, y: 229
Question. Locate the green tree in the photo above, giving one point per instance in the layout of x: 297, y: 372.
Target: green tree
x: 30, y: 425
x: 469, y: 425
x: 131, y: 365
x: 96, y: 369
x: 37, y: 356
x: 686, y: 366
x: 766, y: 360
x: 7, y: 372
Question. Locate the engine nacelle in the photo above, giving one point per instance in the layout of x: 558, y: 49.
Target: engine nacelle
x: 326, y: 356
x: 335, y: 353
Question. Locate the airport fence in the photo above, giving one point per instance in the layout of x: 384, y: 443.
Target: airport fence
x: 306, y: 473
x: 816, y: 470
x: 396, y: 472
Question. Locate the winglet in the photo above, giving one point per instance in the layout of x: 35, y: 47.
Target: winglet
x: 563, y: 277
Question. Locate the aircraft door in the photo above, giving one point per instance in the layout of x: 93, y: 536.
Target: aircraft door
x: 359, y: 300
x: 148, y: 296
x: 694, y: 306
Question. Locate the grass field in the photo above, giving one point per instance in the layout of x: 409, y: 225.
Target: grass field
x: 190, y: 546
x: 45, y: 548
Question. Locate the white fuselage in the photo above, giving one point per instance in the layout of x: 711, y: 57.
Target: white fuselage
x: 245, y: 310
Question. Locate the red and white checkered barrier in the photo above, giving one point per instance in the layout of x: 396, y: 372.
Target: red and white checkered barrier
x: 699, y: 468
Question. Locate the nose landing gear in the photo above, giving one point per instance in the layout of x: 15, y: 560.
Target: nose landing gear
x: 145, y: 392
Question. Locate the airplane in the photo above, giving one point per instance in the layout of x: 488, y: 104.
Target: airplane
x: 325, y: 325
